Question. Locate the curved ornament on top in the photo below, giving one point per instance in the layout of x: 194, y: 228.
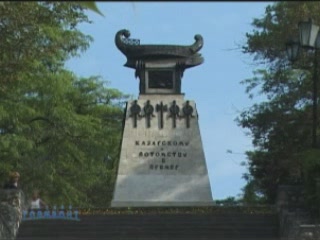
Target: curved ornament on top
x: 132, y: 48
x: 118, y: 39
x: 198, y: 44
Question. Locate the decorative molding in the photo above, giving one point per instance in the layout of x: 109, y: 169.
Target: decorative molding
x: 148, y: 112
x: 187, y: 111
x: 161, y: 108
x: 135, y: 110
x: 174, y: 113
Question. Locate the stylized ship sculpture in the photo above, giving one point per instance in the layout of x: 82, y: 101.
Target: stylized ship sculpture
x: 186, y: 55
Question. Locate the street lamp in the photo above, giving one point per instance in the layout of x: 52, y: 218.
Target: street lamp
x: 308, y: 34
x: 292, y: 48
x: 309, y: 39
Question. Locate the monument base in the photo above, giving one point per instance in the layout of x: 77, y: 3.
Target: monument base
x: 162, y: 190
x: 162, y: 162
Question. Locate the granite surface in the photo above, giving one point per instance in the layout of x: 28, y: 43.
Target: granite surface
x: 162, y: 161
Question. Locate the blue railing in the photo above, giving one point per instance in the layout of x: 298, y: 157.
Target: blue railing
x: 53, y: 214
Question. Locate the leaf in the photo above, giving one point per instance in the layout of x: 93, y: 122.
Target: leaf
x: 92, y: 6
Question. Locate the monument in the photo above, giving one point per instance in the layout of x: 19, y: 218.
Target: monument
x: 162, y: 161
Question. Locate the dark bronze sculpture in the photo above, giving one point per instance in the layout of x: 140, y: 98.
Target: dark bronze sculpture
x: 159, y: 67
x: 135, y: 52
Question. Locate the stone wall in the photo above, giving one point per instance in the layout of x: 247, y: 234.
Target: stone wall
x: 296, y: 221
x: 11, y: 205
x: 219, y: 224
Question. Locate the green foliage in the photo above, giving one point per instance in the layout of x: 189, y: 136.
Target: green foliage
x: 251, y: 194
x: 311, y: 172
x: 229, y: 201
x: 60, y: 132
x: 90, y: 5
x: 281, y: 125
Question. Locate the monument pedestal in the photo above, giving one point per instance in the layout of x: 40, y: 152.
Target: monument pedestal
x: 162, y: 162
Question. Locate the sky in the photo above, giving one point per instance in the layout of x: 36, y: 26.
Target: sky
x: 214, y: 85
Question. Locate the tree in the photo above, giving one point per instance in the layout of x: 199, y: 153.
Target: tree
x: 229, y: 201
x: 280, y: 126
x: 91, y: 6
x: 60, y: 132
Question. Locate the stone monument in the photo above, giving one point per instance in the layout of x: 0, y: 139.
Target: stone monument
x: 162, y: 162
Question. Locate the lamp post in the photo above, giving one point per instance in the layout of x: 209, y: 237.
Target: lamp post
x: 309, y: 39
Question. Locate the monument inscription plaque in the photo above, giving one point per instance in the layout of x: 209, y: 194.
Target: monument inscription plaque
x: 162, y: 162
